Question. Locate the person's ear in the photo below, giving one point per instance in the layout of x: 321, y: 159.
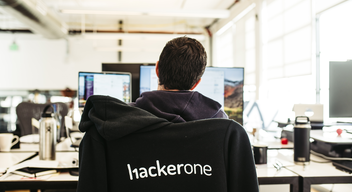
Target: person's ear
x: 157, y: 68
x: 195, y: 85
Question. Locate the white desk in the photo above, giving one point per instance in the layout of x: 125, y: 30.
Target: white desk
x: 314, y: 173
x: 271, y: 141
x: 61, y: 180
x: 268, y: 175
x: 320, y: 173
x: 10, y: 159
x: 298, y: 178
x: 34, y: 147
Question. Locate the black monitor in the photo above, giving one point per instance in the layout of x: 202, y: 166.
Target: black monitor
x: 340, y: 89
x: 132, y: 68
x: 224, y: 85
x: 116, y: 85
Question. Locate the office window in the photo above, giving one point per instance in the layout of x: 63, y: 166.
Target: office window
x: 235, y: 47
x: 223, y: 52
x: 287, y: 39
x: 288, y: 55
x: 335, y: 44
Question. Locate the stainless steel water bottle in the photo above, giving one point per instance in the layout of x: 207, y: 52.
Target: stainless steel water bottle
x: 47, y: 135
x: 301, y: 143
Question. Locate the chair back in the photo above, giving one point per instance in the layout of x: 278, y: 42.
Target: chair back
x: 26, y: 111
x: 206, y: 155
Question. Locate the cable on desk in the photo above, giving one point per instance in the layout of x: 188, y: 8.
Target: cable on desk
x: 321, y: 161
x: 331, y: 158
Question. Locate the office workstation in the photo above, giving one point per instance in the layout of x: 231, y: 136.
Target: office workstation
x: 268, y: 61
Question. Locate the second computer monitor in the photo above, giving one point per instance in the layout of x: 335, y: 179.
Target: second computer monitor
x: 116, y: 85
x: 132, y: 68
x: 224, y: 85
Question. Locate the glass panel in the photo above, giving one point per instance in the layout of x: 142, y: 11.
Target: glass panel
x: 273, y: 55
x: 301, y: 68
x: 275, y: 27
x: 250, y: 61
x: 274, y: 8
x: 298, y: 16
x: 298, y: 45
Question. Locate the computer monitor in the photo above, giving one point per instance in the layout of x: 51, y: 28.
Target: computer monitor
x: 132, y: 68
x: 116, y: 85
x: 224, y: 85
x: 340, y: 89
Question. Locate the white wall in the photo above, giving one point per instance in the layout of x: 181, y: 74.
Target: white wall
x: 45, y: 64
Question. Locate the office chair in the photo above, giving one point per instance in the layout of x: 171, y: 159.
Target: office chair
x: 26, y: 111
x: 157, y: 155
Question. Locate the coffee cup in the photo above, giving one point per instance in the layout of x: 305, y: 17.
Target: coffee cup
x: 260, y: 153
x: 6, y: 141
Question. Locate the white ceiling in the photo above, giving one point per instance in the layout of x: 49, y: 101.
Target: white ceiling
x: 146, y: 22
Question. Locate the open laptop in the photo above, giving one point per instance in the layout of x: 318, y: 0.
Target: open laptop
x: 313, y: 111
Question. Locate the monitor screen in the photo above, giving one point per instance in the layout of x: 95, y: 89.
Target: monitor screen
x: 224, y: 85
x: 340, y: 89
x: 132, y: 68
x: 116, y: 85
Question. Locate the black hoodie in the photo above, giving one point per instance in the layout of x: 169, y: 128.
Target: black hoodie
x: 179, y: 106
x: 128, y: 149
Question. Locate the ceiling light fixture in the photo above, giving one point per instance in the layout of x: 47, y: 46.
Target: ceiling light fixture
x: 234, y: 20
x: 126, y: 49
x: 139, y: 36
x: 211, y: 13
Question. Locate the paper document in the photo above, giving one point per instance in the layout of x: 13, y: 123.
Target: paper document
x: 32, y: 164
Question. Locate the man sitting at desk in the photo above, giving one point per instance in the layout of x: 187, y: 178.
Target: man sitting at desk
x: 179, y: 69
x: 128, y: 149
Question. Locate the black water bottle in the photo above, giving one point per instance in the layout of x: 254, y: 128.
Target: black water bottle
x: 301, y: 143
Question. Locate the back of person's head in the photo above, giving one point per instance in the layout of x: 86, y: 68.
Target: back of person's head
x: 181, y: 63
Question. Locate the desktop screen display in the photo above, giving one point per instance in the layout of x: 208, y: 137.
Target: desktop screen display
x: 340, y: 90
x: 116, y: 85
x: 132, y: 68
x: 224, y: 85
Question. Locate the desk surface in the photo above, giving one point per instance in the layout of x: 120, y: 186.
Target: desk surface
x: 314, y: 173
x: 60, y: 180
x: 290, y: 173
x: 9, y: 159
x: 314, y: 169
x: 271, y: 141
x: 64, y: 146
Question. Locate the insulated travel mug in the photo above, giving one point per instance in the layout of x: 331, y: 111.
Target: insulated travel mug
x: 47, y: 135
x: 301, y: 143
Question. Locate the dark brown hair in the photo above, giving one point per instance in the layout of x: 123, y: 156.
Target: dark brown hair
x: 181, y: 63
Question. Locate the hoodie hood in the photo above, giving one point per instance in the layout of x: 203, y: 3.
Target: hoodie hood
x: 115, y: 119
x: 179, y: 106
